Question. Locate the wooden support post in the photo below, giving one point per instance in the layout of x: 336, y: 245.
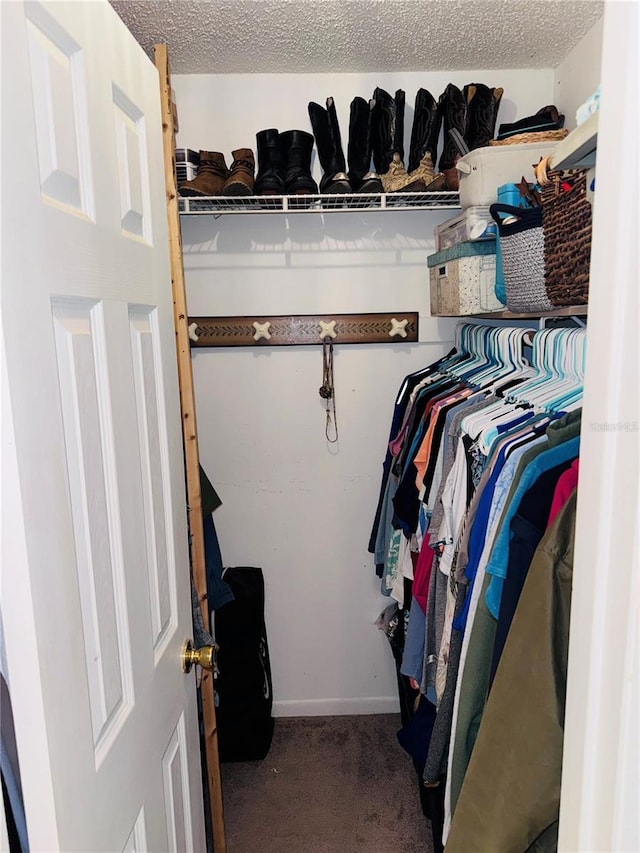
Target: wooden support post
x: 190, y: 435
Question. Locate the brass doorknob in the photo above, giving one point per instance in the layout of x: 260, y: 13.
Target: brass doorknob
x: 205, y: 656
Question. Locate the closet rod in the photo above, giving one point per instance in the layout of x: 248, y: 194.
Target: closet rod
x: 190, y: 436
x: 304, y: 329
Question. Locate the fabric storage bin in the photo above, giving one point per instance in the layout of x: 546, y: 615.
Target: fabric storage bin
x: 462, y: 280
x: 507, y: 194
x: 566, y: 220
x: 522, y: 246
x: 474, y: 223
x: 483, y: 170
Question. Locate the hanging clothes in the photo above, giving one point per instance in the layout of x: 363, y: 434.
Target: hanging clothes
x: 481, y: 456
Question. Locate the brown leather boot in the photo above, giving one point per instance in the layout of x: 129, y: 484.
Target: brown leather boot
x: 210, y: 178
x: 241, y: 173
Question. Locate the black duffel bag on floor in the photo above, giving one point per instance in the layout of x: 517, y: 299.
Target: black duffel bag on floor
x: 244, y: 687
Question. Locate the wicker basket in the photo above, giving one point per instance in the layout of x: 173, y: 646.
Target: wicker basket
x: 566, y: 218
x: 533, y: 136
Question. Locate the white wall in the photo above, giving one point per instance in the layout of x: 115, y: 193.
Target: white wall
x: 293, y: 504
x: 578, y: 75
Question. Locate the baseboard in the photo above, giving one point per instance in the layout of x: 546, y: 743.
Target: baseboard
x: 336, y: 707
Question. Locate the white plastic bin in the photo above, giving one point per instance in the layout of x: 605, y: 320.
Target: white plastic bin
x: 474, y: 223
x: 483, y: 170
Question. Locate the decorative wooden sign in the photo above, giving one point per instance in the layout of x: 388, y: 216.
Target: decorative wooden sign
x: 292, y: 330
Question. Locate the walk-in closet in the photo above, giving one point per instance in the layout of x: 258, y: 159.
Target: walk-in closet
x: 293, y: 479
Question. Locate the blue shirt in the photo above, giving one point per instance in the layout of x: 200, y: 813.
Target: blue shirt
x: 497, y: 565
x: 491, y: 501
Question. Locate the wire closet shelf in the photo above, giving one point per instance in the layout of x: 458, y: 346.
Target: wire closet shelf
x: 319, y: 203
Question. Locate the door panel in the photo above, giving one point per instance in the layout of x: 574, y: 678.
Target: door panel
x: 132, y: 166
x: 95, y: 507
x: 60, y: 109
x: 95, y: 569
x: 176, y: 787
x: 152, y: 441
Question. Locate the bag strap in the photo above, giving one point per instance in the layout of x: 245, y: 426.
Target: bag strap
x: 523, y: 213
x: 523, y: 218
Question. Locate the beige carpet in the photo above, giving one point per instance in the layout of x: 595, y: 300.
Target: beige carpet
x: 328, y: 785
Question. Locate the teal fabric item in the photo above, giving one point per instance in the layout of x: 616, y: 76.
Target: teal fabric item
x: 501, y: 287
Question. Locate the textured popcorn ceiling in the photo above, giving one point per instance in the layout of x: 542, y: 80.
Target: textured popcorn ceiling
x: 298, y: 36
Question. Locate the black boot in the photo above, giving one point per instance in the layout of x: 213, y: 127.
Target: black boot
x: 327, y: 134
x: 399, y: 130
x: 424, y: 142
x: 425, y: 130
x: 297, y: 146
x: 453, y: 107
x: 270, y: 177
x: 482, y: 112
x: 384, y: 130
x: 362, y: 180
x: 388, y: 144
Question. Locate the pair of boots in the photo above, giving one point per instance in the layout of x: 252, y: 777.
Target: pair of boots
x: 388, y: 145
x: 284, y: 163
x: 214, y: 179
x: 376, y: 129
x: 471, y: 111
x: 326, y: 130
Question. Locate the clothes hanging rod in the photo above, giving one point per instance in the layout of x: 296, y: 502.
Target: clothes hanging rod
x: 304, y: 329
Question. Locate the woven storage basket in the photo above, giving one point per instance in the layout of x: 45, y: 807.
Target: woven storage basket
x: 522, y: 248
x: 534, y: 136
x: 566, y: 218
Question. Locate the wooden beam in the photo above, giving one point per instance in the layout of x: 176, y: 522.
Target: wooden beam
x: 399, y: 327
x: 190, y: 435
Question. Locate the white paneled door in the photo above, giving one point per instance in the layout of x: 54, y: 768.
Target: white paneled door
x: 95, y: 577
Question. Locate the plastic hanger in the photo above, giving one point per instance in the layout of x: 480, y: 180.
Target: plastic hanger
x: 540, y: 360
x: 477, y: 348
x: 554, y: 374
x: 561, y: 383
x: 567, y: 391
x: 511, y: 363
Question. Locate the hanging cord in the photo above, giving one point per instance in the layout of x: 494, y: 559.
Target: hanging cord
x: 327, y: 390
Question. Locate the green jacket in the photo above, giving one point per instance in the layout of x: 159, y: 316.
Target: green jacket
x: 510, y: 798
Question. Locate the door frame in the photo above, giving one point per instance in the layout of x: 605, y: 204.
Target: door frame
x: 600, y: 779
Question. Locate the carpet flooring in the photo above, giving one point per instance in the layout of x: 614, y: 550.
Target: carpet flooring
x: 328, y: 785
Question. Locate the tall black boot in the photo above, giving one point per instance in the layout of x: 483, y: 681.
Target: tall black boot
x: 270, y: 177
x: 384, y: 130
x: 453, y: 106
x: 388, y: 143
x: 297, y: 146
x: 399, y: 130
x: 425, y: 130
x: 327, y: 134
x: 424, y: 142
x: 482, y: 112
x: 361, y: 178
